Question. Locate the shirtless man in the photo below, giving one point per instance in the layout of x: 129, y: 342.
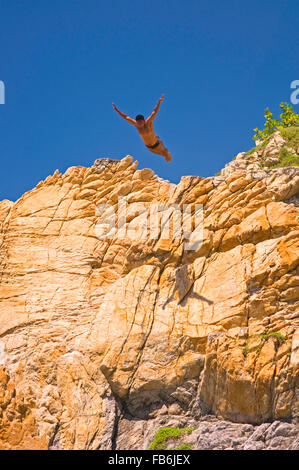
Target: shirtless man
x: 146, y: 131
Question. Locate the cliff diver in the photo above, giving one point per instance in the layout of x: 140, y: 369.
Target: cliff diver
x: 146, y: 130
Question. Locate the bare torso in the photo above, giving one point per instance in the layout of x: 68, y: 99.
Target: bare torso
x: 147, y: 133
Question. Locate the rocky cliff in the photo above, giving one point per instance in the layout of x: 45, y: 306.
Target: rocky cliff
x: 104, y: 339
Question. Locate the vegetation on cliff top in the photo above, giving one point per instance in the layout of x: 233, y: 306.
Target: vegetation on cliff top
x: 286, y: 158
x: 288, y: 118
x: 288, y: 125
x: 291, y: 135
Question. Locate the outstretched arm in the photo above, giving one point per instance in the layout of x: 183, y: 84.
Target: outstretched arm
x: 125, y: 116
x: 156, y: 109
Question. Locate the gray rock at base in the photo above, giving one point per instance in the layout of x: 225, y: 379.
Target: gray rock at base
x: 254, y: 445
x: 280, y: 429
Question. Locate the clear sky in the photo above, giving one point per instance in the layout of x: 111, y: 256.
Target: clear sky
x: 63, y: 62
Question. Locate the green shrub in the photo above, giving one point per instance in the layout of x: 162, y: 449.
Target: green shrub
x: 251, y: 151
x: 264, y: 337
x: 291, y: 134
x: 276, y: 334
x: 286, y: 159
x: 163, y: 434
x: 185, y: 447
x: 288, y: 118
x: 245, y: 350
x: 258, y: 147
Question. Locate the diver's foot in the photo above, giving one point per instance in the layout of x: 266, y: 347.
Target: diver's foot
x: 168, y: 157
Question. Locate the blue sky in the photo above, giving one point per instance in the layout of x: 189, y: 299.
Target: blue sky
x: 63, y: 62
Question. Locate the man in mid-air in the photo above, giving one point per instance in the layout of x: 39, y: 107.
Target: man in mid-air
x: 146, y: 131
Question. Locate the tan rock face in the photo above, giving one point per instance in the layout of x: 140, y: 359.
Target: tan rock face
x: 92, y: 328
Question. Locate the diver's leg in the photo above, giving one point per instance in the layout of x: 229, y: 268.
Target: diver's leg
x: 162, y: 150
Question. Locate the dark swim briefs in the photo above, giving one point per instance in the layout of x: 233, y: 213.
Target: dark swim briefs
x: 153, y: 146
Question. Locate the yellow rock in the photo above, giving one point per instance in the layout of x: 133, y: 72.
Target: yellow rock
x: 88, y: 324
